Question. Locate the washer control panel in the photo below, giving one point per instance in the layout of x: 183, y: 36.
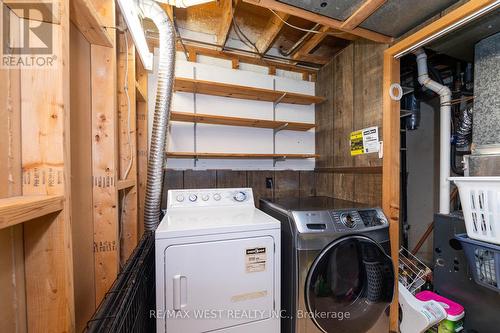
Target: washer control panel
x: 358, y: 219
x: 210, y: 198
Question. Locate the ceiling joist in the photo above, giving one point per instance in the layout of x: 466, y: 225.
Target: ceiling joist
x: 312, y: 43
x: 323, y: 20
x: 362, y: 13
x: 228, y: 10
x: 272, y: 65
x: 271, y: 32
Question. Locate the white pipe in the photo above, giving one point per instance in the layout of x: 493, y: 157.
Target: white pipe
x: 445, y: 129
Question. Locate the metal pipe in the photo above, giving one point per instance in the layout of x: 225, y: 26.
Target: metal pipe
x: 445, y: 129
x: 161, y: 114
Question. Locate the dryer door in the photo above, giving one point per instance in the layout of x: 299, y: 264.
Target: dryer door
x: 349, y: 285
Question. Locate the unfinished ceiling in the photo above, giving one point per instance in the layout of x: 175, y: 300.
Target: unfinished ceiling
x: 292, y: 34
x: 460, y: 43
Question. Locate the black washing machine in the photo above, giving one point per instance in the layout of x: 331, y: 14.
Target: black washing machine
x: 337, y: 273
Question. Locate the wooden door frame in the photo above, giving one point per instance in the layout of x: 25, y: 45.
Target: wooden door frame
x: 391, y: 118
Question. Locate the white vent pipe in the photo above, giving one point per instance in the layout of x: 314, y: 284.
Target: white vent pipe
x: 445, y: 129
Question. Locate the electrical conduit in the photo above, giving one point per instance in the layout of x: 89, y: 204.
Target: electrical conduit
x: 445, y: 129
x: 163, y: 100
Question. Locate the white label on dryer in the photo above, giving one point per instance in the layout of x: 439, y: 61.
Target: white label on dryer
x: 255, y: 259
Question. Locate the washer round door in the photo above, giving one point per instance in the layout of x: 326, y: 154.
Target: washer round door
x: 349, y: 285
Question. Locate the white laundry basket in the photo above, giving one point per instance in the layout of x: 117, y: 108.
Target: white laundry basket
x: 480, y: 197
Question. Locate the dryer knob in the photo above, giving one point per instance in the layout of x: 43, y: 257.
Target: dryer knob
x: 240, y: 196
x: 180, y: 198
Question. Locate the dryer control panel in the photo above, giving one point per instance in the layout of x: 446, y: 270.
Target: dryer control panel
x: 210, y: 198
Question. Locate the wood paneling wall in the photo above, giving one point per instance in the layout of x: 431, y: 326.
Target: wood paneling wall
x: 352, y: 83
x: 285, y: 183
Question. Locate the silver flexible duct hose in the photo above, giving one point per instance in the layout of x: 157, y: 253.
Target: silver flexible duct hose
x: 161, y: 114
x: 464, y: 129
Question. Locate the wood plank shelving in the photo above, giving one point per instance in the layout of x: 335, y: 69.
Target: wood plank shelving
x: 239, y: 155
x: 243, y: 92
x: 236, y: 121
x: 15, y: 210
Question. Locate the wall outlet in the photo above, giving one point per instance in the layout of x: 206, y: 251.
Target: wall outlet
x: 269, y: 182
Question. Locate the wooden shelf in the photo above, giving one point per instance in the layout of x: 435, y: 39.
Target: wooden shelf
x: 140, y: 95
x: 88, y: 21
x: 239, y: 155
x: 243, y: 92
x: 20, y: 209
x: 236, y: 121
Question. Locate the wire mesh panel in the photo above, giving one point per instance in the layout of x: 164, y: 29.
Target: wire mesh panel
x: 127, y: 305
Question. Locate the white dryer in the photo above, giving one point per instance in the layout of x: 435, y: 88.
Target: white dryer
x: 217, y: 264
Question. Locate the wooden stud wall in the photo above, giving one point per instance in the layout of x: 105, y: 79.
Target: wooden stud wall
x: 106, y: 223
x: 352, y: 83
x: 12, y: 283
x: 127, y: 124
x: 36, y: 278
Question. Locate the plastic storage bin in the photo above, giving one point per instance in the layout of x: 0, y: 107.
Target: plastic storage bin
x: 484, y: 261
x: 480, y: 197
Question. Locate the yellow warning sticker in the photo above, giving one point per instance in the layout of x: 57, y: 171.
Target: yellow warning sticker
x: 357, y: 143
x: 365, y: 141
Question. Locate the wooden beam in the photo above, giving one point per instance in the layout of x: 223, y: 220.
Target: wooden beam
x: 46, y: 171
x: 85, y: 17
x: 104, y: 157
x: 20, y: 209
x: 362, y: 13
x: 312, y: 58
x: 324, y: 20
x: 210, y: 52
x: 226, y: 21
x: 168, y: 9
x: 310, y: 44
x: 271, y: 32
x: 12, y: 276
x: 391, y: 168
